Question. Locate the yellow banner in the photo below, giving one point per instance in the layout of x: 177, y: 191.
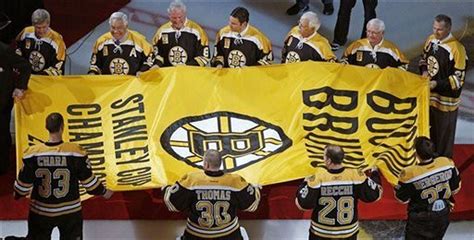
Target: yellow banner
x: 271, y: 123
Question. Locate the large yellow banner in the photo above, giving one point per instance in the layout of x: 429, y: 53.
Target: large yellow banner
x: 270, y: 123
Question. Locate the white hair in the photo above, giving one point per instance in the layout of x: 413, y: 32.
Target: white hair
x: 40, y: 16
x: 313, y: 19
x: 377, y: 23
x: 176, y: 5
x: 118, y: 16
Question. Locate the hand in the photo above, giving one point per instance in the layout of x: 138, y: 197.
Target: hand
x: 425, y: 74
x: 422, y: 62
x: 18, y: 94
x: 433, y: 84
x: 108, y: 194
x: 219, y: 66
x: 370, y: 170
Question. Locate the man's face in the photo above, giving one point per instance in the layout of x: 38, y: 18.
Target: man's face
x: 440, y: 30
x: 305, y: 29
x: 374, y: 35
x: 235, y: 25
x: 177, y: 18
x: 41, y: 29
x: 118, y: 29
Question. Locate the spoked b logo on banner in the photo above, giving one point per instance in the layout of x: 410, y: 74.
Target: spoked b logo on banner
x: 242, y: 140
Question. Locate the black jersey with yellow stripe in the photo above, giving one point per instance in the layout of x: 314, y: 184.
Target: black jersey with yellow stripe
x: 446, y: 64
x: 187, y: 46
x: 51, y: 173
x: 248, y: 48
x: 385, y: 54
x: 46, y: 55
x: 422, y: 184
x: 298, y: 49
x: 126, y: 57
x: 211, y: 200
x: 333, y: 196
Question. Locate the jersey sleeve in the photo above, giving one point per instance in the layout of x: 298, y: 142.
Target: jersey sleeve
x: 307, y: 192
x: 349, y: 57
x: 371, y: 189
x: 456, y: 80
x: 88, y: 179
x: 403, y: 190
x: 202, y: 48
x: 265, y: 54
x: 177, y: 197
x: 248, y: 198
x: 24, y: 182
x: 57, y: 68
x: 284, y: 50
x: 96, y: 62
x: 218, y: 58
x: 455, y: 181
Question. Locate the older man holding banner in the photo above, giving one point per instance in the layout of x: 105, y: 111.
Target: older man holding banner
x: 269, y: 124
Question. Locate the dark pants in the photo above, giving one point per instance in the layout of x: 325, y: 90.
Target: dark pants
x: 304, y: 3
x: 344, y: 17
x: 443, y: 130
x: 41, y: 227
x: 427, y: 225
x: 6, y: 105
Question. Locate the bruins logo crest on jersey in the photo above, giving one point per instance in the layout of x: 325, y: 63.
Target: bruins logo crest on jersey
x: 177, y: 56
x: 37, y: 61
x: 292, y: 57
x: 119, y: 66
x: 236, y: 59
x: 433, y: 65
x: 242, y: 140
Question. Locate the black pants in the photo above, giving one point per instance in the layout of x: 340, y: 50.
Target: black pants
x: 427, y: 225
x: 344, y: 17
x: 304, y: 3
x: 6, y: 105
x: 41, y: 227
x: 443, y: 130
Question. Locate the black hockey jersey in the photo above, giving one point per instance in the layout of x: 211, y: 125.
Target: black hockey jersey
x: 422, y: 184
x: 447, y: 62
x: 51, y: 172
x: 299, y: 49
x: 211, y: 200
x: 385, y: 54
x: 188, y: 46
x: 134, y: 54
x: 248, y: 48
x: 333, y: 196
x: 46, y: 55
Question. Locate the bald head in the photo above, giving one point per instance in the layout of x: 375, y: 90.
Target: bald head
x: 334, y: 153
x: 213, y: 159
